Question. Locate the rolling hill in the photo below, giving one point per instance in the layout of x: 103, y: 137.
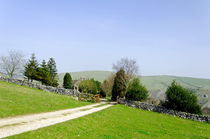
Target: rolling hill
x: 157, y: 85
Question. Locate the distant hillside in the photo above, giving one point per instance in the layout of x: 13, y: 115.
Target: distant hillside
x: 152, y: 82
x: 157, y: 85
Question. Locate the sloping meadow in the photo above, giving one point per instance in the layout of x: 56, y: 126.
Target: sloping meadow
x: 19, y: 100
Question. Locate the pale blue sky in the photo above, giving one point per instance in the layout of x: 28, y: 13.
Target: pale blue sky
x: 165, y: 37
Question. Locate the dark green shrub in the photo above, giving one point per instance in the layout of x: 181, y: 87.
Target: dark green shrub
x: 119, y: 87
x: 99, y: 88
x: 89, y: 86
x: 67, y: 81
x: 102, y: 93
x: 136, y: 91
x: 180, y: 99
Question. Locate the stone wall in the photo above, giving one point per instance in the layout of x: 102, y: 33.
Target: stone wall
x: 163, y: 110
x: 61, y: 91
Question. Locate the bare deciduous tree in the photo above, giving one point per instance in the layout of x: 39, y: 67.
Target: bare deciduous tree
x: 108, y: 84
x: 129, y: 66
x: 12, y: 64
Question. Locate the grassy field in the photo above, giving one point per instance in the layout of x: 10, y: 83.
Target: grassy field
x: 123, y: 122
x: 18, y: 100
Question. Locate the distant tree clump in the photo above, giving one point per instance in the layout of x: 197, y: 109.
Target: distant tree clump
x: 181, y: 99
x: 67, y: 81
x: 119, y: 87
x: 136, y: 91
x: 89, y: 86
x: 46, y: 73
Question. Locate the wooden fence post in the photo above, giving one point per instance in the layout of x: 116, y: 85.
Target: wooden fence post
x: 117, y: 99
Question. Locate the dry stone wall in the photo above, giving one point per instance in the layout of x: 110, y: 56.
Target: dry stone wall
x: 163, y: 110
x: 61, y: 91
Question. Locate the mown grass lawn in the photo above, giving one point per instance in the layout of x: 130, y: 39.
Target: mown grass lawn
x: 123, y: 122
x: 19, y: 100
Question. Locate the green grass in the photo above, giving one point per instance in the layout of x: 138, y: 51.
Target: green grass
x: 18, y: 100
x: 123, y: 122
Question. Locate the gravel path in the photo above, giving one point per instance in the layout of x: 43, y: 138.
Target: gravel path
x: 20, y: 124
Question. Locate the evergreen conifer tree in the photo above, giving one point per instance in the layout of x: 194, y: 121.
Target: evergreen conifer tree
x: 43, y: 74
x: 31, y: 68
x: 53, y: 72
x: 67, y: 81
x: 119, y: 87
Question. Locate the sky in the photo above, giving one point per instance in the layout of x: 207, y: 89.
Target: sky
x: 164, y: 37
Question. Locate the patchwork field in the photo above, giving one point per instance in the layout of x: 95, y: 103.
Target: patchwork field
x: 18, y: 100
x: 123, y: 122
